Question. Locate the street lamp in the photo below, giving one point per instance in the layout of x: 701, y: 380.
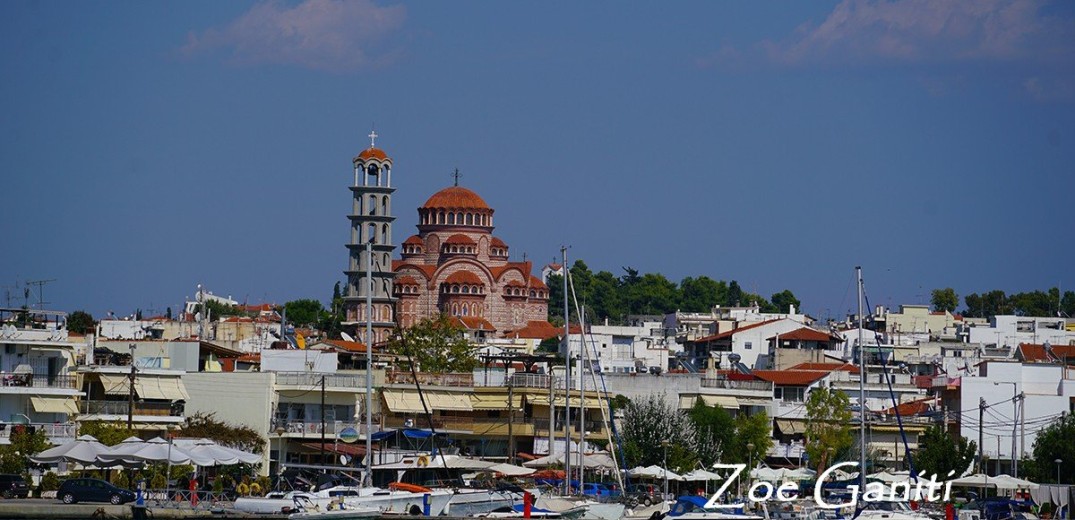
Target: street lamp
x: 1058, y: 461
x: 750, y: 465
x: 664, y: 444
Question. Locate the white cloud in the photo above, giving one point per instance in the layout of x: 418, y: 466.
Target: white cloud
x: 928, y: 31
x: 333, y: 35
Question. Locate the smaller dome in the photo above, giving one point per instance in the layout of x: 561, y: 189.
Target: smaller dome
x: 406, y: 280
x: 463, y: 277
x: 455, y: 197
x: 536, y: 283
x: 496, y: 242
x: 413, y: 240
x: 372, y: 153
x: 459, y: 240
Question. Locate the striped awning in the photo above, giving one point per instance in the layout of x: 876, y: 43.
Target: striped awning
x: 543, y: 400
x: 166, y: 388
x: 54, y: 405
x: 495, y: 401
x: 722, y: 401
x: 402, y: 401
x: 115, y: 384
x: 440, y: 400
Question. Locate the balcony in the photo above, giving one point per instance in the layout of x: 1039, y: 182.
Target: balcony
x: 348, y: 382
x: 526, y: 380
x: 313, y: 428
x: 38, y: 381
x: 121, y: 408
x: 57, y: 433
x: 731, y: 384
x: 458, y: 380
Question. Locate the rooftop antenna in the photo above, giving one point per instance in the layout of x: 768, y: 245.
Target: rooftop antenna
x: 40, y: 291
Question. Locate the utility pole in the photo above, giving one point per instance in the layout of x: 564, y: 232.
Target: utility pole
x: 862, y: 387
x: 1022, y: 427
x: 130, y: 392
x: 567, y: 382
x: 511, y: 419
x: 981, y: 418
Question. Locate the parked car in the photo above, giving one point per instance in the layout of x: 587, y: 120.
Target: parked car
x: 92, y: 490
x: 595, y: 489
x: 646, y: 494
x: 12, y: 485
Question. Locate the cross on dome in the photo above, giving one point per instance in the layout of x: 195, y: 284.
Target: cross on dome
x: 373, y: 139
x: 456, y: 174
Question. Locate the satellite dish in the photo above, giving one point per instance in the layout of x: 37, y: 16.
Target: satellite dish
x: 344, y: 459
x: 734, y: 358
x: 346, y: 336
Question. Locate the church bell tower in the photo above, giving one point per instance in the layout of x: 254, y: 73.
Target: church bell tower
x: 371, y: 223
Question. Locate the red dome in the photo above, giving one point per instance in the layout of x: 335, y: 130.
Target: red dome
x: 464, y: 277
x: 414, y: 240
x: 455, y: 197
x: 372, y: 153
x: 459, y: 240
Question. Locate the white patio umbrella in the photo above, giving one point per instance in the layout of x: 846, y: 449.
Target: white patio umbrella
x: 510, y: 470
x: 886, y: 477
x: 799, y: 474
x: 590, y: 461
x: 209, y: 449
x: 122, y: 453
x: 159, y: 450
x: 700, y: 474
x: 1009, y: 482
x: 655, y: 472
x: 976, y: 480
x: 767, y: 473
x: 83, y: 450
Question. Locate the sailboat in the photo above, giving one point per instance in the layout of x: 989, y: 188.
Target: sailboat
x: 566, y: 503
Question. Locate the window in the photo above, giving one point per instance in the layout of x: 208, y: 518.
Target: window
x: 749, y: 345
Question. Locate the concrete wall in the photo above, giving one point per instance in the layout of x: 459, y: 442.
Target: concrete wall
x: 235, y: 397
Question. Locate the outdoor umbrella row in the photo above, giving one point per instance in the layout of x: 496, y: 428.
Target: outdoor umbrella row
x: 86, y: 450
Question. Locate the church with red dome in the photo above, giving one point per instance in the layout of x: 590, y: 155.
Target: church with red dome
x: 454, y: 265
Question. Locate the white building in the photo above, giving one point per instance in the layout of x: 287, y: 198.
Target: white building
x: 1010, y: 331
x: 1020, y: 400
x: 622, y: 349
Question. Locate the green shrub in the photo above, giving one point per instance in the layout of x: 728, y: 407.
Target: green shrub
x: 50, y: 482
x: 120, y: 480
x: 265, y: 483
x: 158, y: 481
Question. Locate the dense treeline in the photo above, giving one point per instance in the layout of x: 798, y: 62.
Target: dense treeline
x: 607, y: 296
x: 992, y: 303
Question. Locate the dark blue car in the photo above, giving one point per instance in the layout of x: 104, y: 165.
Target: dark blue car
x: 93, y: 490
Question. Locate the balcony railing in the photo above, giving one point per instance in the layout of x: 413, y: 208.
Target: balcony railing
x: 733, y: 384
x: 526, y: 380
x: 57, y: 433
x: 121, y: 407
x: 451, y: 380
x: 8, y: 379
x: 306, y: 379
x: 332, y: 427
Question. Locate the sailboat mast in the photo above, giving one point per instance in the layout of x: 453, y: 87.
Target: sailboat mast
x: 368, y: 478
x: 862, y: 388
x: 567, y: 383
x: 582, y: 393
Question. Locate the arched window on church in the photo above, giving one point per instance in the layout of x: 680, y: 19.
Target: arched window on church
x: 470, y: 219
x: 371, y: 232
x: 465, y: 312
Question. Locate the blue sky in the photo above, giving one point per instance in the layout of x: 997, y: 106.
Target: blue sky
x: 150, y: 146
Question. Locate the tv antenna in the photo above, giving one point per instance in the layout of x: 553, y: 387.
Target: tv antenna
x: 40, y: 291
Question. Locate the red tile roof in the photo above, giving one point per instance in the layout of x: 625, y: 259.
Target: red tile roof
x: 455, y: 197
x: 827, y: 367
x: 249, y: 358
x: 261, y: 307
x: 807, y: 334
x: 406, y: 280
x: 729, y: 333
x: 1033, y: 353
x: 372, y: 153
x: 475, y: 323
x: 536, y: 283
x: 909, y: 408
x: 535, y: 330
x: 426, y: 270
x: 414, y: 240
x: 496, y: 242
x: 790, y: 377
x: 459, y: 239
x: 465, y: 277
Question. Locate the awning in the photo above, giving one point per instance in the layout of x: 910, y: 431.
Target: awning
x: 495, y: 401
x: 440, y: 400
x: 114, y: 384
x: 543, y: 400
x: 402, y: 401
x: 54, y: 405
x: 167, y: 388
x: 790, y: 427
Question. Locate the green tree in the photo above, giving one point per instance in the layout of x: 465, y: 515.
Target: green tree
x: 556, y: 297
x: 828, y: 425
x: 734, y: 297
x: 701, y: 294
x: 436, y: 345
x: 783, y: 300
x: 606, y: 299
x: 109, y: 434
x: 939, y: 452
x: 80, y: 322
x: 944, y: 299
x: 304, y: 312
x: 207, y: 426
x: 716, y: 430
x: 653, y: 294
x: 13, y: 456
x: 219, y: 310
x: 1055, y: 442
x: 750, y: 430
x: 647, y: 423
